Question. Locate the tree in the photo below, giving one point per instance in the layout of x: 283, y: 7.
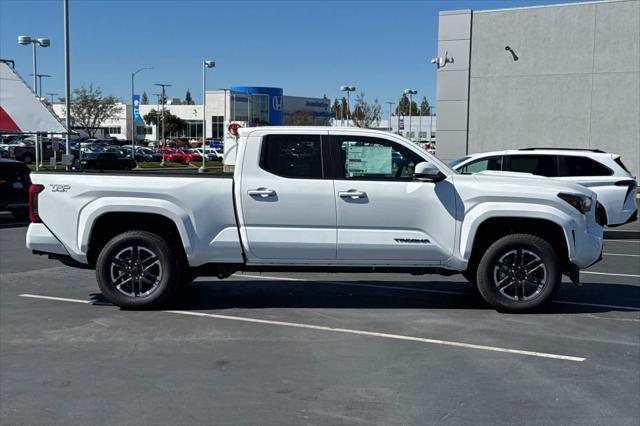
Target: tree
x: 188, y: 100
x: 89, y: 108
x: 425, y: 109
x: 335, y: 108
x: 403, y: 106
x: 145, y: 99
x: 172, y: 123
x: 364, y: 113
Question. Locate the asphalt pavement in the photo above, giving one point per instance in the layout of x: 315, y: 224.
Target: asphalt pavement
x: 269, y: 349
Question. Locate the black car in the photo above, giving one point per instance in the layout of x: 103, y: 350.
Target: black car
x: 14, y: 188
x: 103, y: 161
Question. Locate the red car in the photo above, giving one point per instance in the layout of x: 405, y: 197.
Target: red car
x: 174, y: 155
x: 191, y: 155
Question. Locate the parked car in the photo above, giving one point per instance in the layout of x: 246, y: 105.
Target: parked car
x: 319, y: 198
x: 603, y: 173
x: 143, y: 154
x: 102, y: 161
x: 191, y: 154
x: 213, y: 154
x: 173, y: 155
x: 14, y: 188
x: 26, y: 151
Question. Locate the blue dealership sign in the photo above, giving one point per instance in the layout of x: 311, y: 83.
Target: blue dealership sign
x: 136, y: 108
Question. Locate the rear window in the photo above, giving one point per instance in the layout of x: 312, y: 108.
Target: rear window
x: 621, y: 164
x: 542, y: 165
x: 582, y: 166
x: 292, y: 156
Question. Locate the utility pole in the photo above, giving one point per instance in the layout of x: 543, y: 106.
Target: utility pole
x: 391, y: 104
x: 163, y: 85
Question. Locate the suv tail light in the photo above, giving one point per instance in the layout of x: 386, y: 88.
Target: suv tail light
x: 34, y: 190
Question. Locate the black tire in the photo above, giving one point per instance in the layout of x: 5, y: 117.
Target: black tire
x: 152, y: 291
x: 511, y: 279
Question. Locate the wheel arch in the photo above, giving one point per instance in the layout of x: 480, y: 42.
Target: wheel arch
x: 112, y: 223
x: 491, y: 229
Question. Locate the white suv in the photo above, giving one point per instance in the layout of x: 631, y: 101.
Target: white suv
x: 603, y: 173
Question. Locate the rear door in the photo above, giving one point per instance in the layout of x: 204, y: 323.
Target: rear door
x: 287, y: 199
x: 384, y: 216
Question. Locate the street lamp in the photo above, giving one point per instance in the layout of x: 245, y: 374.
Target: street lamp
x: 158, y: 96
x: 52, y: 95
x: 163, y: 85
x: 133, y: 113
x: 391, y: 104
x: 42, y: 42
x: 205, y: 65
x: 39, y: 78
x: 348, y: 89
x: 410, y: 92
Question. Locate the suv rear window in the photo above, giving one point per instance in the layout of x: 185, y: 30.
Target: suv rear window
x: 543, y: 165
x: 292, y: 156
x: 571, y: 165
x: 621, y: 164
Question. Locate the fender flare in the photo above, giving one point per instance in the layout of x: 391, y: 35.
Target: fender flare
x: 477, y: 216
x: 91, y: 212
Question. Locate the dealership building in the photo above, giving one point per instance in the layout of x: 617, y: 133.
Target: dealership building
x: 563, y: 75
x: 256, y: 106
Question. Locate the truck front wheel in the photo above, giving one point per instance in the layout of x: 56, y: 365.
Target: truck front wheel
x: 519, y: 273
x: 138, y: 270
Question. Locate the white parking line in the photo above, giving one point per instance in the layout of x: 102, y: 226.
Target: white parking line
x: 610, y: 273
x: 621, y: 254
x: 421, y: 290
x: 346, y: 331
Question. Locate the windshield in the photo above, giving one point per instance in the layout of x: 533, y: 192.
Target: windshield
x: 454, y: 163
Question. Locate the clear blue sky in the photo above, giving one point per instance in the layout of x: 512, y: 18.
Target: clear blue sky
x: 309, y: 48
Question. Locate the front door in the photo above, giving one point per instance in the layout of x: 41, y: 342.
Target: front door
x: 384, y: 216
x: 288, y: 206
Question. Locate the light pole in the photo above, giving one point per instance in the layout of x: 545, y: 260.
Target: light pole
x: 348, y: 89
x: 39, y: 87
x: 158, y: 95
x: 205, y: 65
x: 67, y: 80
x: 133, y: 112
x: 42, y: 42
x: 391, y: 104
x: 163, y: 85
x: 52, y: 95
x: 410, y: 92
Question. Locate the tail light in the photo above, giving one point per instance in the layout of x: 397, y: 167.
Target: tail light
x: 34, y: 190
x: 630, y: 184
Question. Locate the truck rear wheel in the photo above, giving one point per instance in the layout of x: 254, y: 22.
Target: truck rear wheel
x: 519, y: 273
x: 138, y: 270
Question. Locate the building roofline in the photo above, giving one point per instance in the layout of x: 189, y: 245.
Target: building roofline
x: 506, y: 9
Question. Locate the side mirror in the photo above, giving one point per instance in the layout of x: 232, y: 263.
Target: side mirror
x: 427, y: 172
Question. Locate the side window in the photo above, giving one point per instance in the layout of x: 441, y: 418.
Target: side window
x: 543, y: 165
x: 292, y: 156
x: 373, y: 158
x: 582, y: 166
x: 489, y: 163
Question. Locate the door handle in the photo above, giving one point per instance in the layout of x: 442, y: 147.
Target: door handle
x: 354, y: 194
x: 261, y: 192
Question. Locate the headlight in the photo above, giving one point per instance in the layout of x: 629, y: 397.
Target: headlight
x: 582, y: 203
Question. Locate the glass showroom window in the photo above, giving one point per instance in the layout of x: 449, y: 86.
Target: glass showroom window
x: 217, y: 126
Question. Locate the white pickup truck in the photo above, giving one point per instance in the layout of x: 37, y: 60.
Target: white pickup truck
x: 317, y: 199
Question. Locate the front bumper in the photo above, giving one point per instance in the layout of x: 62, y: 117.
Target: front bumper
x: 587, y: 246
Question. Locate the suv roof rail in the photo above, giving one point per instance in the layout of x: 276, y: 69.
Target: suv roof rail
x: 563, y: 149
